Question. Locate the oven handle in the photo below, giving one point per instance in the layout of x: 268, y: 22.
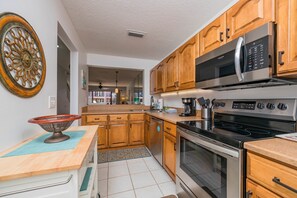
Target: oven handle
x: 210, y: 146
x: 239, y: 44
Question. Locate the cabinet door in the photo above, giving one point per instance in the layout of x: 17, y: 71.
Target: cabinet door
x: 286, y: 37
x: 153, y: 78
x: 186, y: 64
x: 160, y: 78
x: 213, y: 35
x: 169, y: 154
x: 118, y: 134
x: 254, y: 190
x: 246, y: 15
x: 136, y: 133
x: 102, y: 136
x: 171, y: 71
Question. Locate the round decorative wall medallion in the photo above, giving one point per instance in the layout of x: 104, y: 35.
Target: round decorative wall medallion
x: 22, y: 61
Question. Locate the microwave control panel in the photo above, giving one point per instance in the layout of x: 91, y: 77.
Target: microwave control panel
x: 257, y: 54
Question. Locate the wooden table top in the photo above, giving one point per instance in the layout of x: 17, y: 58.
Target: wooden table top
x: 44, y: 163
x: 278, y: 149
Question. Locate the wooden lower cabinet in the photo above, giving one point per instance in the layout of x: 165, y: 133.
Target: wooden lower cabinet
x: 136, y: 133
x: 102, y: 131
x: 274, y: 176
x: 169, y: 154
x: 147, y: 132
x: 253, y: 190
x: 118, y: 134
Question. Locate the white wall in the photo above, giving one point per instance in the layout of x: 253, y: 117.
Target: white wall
x: 173, y: 99
x: 44, y: 16
x: 125, y: 62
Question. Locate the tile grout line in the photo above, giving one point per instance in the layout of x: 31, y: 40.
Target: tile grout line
x: 131, y: 180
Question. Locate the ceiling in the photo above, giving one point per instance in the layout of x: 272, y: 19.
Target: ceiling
x: 108, y: 76
x: 102, y: 24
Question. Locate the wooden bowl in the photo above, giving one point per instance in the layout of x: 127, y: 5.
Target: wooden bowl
x: 55, y: 124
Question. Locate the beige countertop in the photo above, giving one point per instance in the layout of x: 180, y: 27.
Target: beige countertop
x: 276, y: 148
x: 172, y: 117
x: 34, y: 164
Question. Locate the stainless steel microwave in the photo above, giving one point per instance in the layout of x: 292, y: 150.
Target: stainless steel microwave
x: 248, y: 61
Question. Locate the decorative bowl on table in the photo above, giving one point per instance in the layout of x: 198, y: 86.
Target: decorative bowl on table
x: 55, y: 124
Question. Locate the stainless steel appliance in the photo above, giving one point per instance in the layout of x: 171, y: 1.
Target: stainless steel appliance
x: 248, y: 61
x: 189, y: 107
x: 210, y: 154
x: 156, y: 139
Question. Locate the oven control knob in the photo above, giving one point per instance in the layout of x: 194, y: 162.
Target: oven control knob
x: 260, y: 105
x: 282, y: 106
x: 222, y: 104
x: 270, y: 106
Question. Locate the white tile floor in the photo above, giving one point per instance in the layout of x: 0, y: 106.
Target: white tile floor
x: 136, y: 178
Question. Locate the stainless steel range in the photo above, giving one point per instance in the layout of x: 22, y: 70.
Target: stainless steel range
x: 210, y: 154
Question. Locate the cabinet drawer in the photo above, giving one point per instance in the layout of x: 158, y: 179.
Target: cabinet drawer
x: 96, y: 118
x: 254, y: 190
x: 138, y: 116
x: 118, y: 117
x: 276, y: 177
x: 170, y: 128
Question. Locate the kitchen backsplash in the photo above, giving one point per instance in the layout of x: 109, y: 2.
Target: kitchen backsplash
x: 173, y: 99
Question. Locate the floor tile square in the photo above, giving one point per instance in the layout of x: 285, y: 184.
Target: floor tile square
x: 137, y: 167
x: 102, y: 187
x: 116, y: 171
x: 148, y: 192
x: 103, y: 165
x: 117, y: 163
x: 141, y: 180
x: 161, y: 176
x: 127, y: 194
x: 168, y: 188
x: 152, y: 163
x: 119, y: 184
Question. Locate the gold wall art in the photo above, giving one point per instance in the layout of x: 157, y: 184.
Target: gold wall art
x: 22, y: 61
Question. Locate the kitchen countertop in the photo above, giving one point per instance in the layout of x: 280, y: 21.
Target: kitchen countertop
x: 276, y: 148
x: 169, y: 117
x: 172, y: 117
x: 48, y: 162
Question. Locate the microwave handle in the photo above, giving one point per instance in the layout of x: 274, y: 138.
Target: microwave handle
x: 239, y: 44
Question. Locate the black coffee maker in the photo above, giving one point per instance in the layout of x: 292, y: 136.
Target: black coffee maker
x: 189, y: 107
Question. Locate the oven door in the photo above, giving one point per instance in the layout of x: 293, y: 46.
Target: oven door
x: 208, y: 169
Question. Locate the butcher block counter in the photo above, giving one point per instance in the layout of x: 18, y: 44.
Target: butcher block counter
x: 30, y: 175
x: 271, y: 168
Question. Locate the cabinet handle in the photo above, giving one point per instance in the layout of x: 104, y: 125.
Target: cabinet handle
x: 280, y: 57
x: 278, y: 181
x: 97, y: 118
x: 174, y: 146
x: 118, y: 118
x: 221, y: 36
x: 248, y: 194
x: 227, y: 33
x: 130, y: 126
x: 168, y: 128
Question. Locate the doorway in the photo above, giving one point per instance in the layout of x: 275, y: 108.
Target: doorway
x: 63, y: 78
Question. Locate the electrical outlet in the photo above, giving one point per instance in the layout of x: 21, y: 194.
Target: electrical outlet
x: 51, y: 102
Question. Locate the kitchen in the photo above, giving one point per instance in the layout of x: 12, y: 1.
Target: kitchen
x: 264, y: 98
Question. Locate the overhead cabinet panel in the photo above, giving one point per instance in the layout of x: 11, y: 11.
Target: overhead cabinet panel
x: 247, y: 15
x: 171, y: 72
x: 213, y: 35
x: 287, y: 37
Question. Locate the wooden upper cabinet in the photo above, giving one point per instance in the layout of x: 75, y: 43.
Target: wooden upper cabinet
x: 160, y: 78
x: 213, y: 35
x: 153, y: 81
x: 171, y: 72
x: 247, y: 15
x: 186, y: 64
x: 286, y: 37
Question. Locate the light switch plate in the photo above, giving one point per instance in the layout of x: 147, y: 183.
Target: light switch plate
x: 51, y: 102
